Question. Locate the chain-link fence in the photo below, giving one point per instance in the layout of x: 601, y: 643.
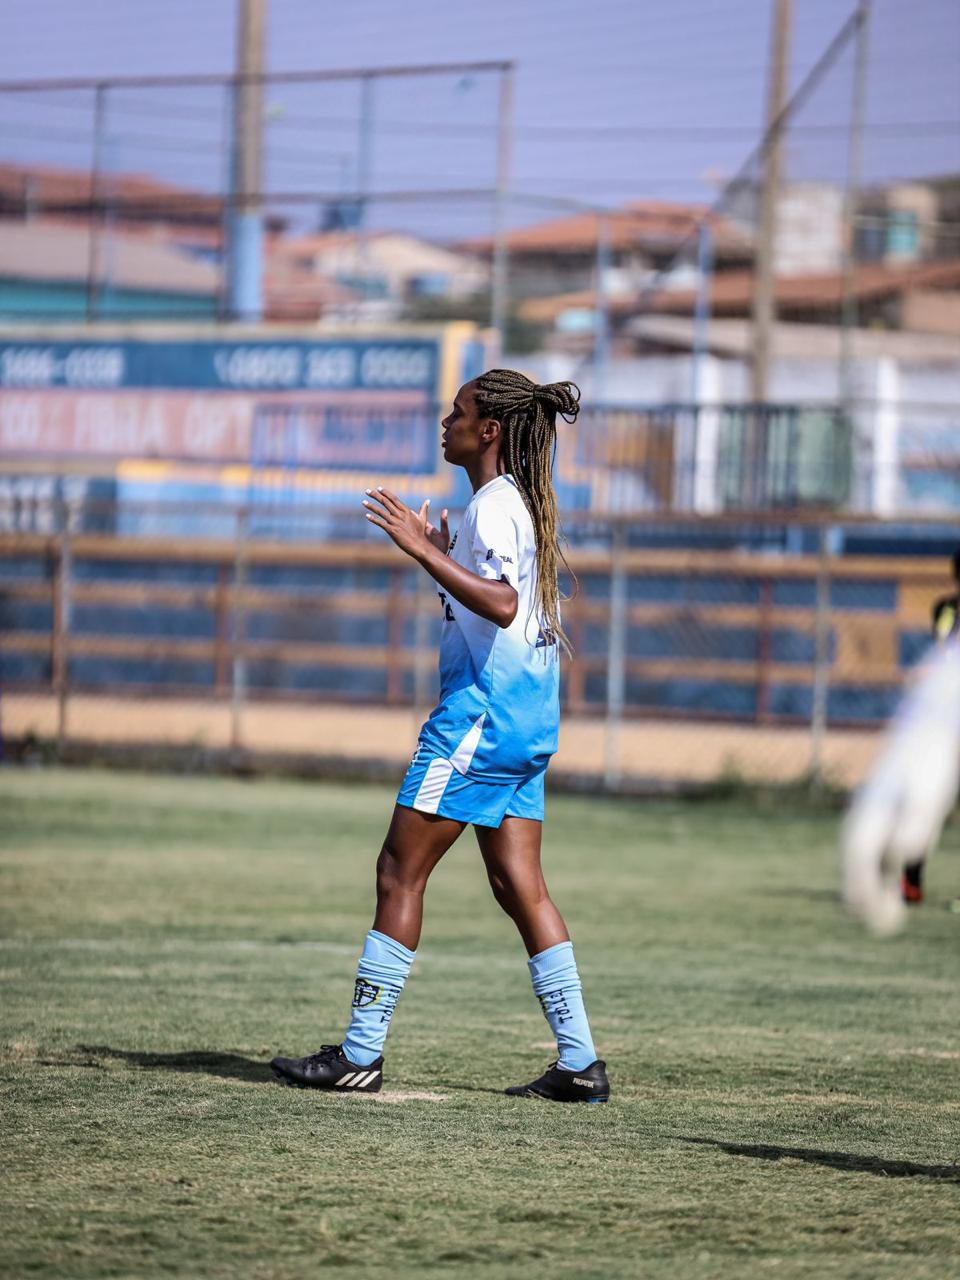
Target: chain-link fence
x: 770, y: 649
x: 181, y: 558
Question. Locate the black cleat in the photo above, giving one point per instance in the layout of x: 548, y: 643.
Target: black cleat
x: 589, y: 1085
x: 329, y: 1069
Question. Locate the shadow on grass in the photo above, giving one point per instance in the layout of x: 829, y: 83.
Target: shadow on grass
x: 229, y: 1066
x: 465, y: 1088
x: 845, y: 1161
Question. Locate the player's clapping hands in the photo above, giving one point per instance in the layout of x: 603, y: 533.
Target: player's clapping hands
x: 411, y: 530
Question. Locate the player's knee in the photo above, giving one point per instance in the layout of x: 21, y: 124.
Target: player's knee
x: 391, y: 874
x: 516, y: 892
x: 502, y: 891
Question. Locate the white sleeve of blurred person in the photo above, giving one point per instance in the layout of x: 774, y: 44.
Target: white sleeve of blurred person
x: 897, y: 814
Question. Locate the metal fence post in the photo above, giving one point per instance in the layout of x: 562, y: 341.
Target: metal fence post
x: 616, y: 659
x: 60, y: 664
x: 94, y: 261
x: 238, y: 690
x: 499, y: 275
x: 821, y: 662
x: 421, y: 638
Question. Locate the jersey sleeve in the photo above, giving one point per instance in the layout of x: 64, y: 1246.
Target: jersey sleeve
x: 496, y: 544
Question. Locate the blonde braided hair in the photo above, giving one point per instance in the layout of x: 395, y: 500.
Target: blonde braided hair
x: 527, y: 413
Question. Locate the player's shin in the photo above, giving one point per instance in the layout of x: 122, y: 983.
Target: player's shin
x: 381, y: 973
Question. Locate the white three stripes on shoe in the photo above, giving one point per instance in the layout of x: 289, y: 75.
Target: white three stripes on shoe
x: 353, y: 1079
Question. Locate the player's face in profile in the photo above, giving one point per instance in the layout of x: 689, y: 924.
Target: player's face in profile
x: 461, y: 428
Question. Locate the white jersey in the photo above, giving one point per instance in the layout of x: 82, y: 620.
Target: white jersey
x: 499, y: 709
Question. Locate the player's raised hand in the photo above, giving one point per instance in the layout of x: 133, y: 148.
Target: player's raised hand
x: 408, y: 528
x: 439, y: 537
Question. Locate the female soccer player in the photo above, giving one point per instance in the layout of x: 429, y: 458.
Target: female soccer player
x: 483, y: 752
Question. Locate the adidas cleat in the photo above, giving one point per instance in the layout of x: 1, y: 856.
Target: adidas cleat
x: 329, y: 1069
x: 556, y: 1085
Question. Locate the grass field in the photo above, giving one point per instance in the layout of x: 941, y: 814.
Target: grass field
x: 786, y: 1090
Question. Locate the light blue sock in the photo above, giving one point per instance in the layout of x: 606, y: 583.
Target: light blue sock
x: 381, y: 973
x: 556, y: 984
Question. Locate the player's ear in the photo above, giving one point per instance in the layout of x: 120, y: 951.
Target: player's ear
x: 490, y: 431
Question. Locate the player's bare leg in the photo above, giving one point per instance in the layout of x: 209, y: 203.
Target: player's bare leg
x: 511, y: 853
x: 413, y: 846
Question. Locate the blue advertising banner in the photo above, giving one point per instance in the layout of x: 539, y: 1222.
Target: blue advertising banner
x: 337, y: 365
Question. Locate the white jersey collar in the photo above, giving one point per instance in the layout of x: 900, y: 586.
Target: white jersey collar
x: 497, y: 481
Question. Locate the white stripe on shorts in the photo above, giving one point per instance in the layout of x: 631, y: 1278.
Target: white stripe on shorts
x: 432, y: 787
x: 464, y: 753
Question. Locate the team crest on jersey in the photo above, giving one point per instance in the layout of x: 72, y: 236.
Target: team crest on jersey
x: 365, y: 994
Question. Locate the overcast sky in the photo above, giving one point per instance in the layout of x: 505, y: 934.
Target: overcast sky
x: 615, y: 100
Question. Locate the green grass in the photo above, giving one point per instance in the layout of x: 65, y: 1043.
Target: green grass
x: 786, y: 1089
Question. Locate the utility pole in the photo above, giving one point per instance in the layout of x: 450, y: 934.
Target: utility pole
x: 601, y: 312
x: 94, y: 265
x: 848, y: 316
x: 499, y: 283
x: 763, y: 292
x: 245, y: 266
x: 701, y: 312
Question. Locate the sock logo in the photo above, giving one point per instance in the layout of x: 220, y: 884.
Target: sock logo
x: 390, y: 997
x: 555, y: 1005
x: 365, y: 994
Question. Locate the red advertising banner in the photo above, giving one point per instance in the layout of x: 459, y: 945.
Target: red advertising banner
x: 196, y: 426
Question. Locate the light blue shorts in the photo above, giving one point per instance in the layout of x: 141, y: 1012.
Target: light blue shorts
x: 432, y: 785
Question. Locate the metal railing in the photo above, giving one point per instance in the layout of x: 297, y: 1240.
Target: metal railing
x: 776, y: 654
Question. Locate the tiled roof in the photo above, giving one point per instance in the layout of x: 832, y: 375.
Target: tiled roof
x: 733, y: 290
x: 60, y: 251
x: 729, y: 337
x: 71, y: 191
x: 640, y: 224
x: 869, y: 280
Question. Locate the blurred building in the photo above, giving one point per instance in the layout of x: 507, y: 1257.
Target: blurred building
x: 378, y: 273
x: 923, y: 297
x: 809, y: 225
x: 641, y: 239
x: 49, y: 269
x: 910, y: 222
x: 183, y: 216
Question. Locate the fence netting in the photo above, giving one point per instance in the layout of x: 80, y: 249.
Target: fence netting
x: 733, y: 646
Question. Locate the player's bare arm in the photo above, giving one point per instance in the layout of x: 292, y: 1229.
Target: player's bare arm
x: 413, y: 534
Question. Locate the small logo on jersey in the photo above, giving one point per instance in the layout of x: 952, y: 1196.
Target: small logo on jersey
x: 503, y: 559
x: 544, y: 640
x: 365, y: 994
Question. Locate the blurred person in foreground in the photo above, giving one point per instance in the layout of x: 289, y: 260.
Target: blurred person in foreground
x: 946, y: 623
x: 483, y: 752
x: 895, y: 818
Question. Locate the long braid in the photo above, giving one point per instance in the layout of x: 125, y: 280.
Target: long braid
x: 527, y: 414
